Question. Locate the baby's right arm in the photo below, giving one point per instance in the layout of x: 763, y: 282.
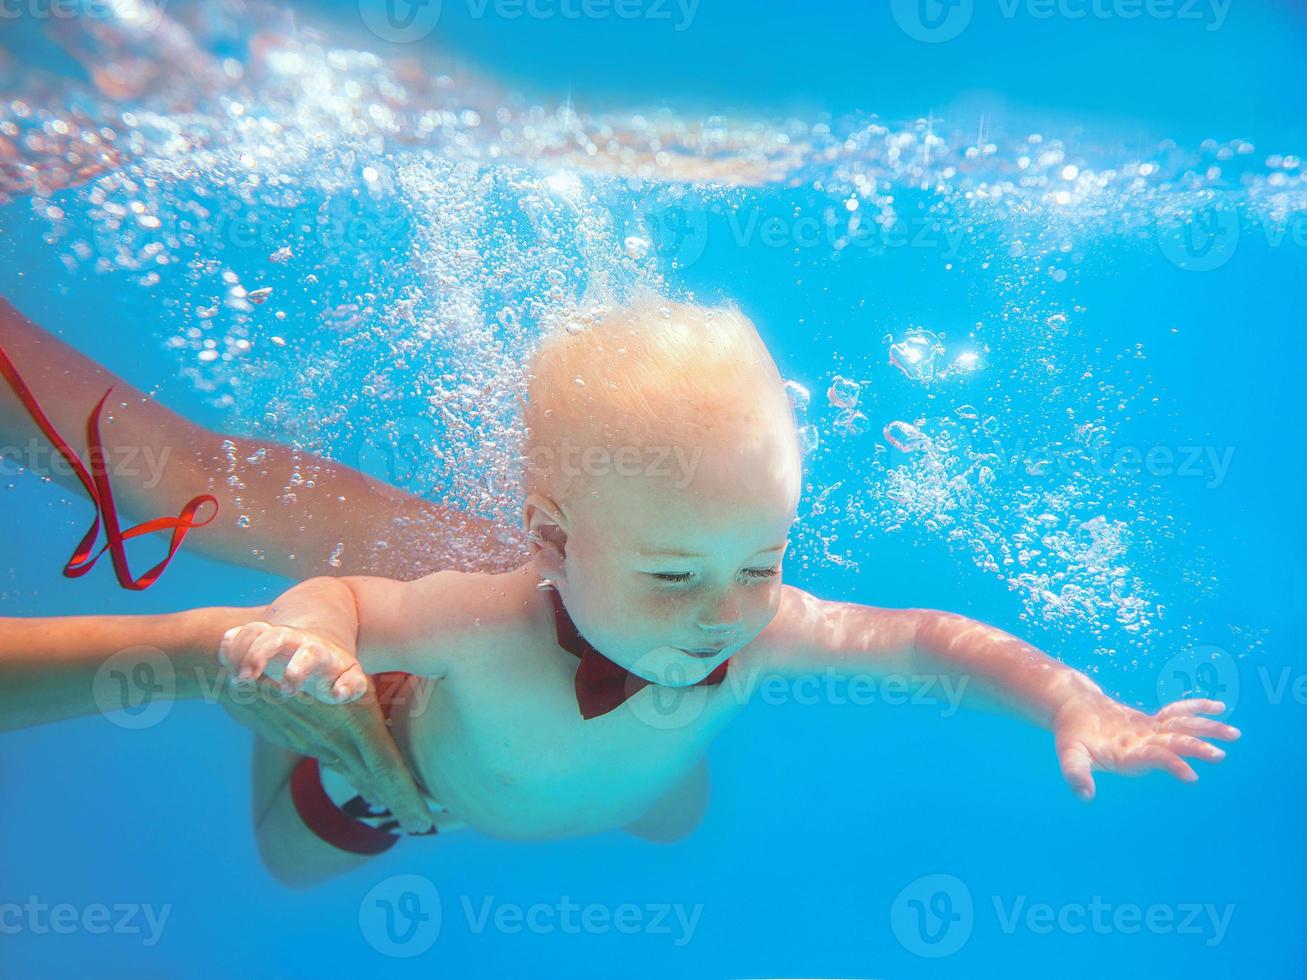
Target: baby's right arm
x: 325, y: 634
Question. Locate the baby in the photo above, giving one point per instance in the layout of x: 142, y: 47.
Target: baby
x: 579, y: 692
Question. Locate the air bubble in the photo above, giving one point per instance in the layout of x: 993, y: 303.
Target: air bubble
x: 917, y: 354
x: 851, y: 422
x: 843, y: 393
x: 905, y: 437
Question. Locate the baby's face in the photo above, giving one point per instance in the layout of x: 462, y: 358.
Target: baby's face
x: 669, y: 576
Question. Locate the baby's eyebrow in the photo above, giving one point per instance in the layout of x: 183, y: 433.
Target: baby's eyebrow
x: 696, y: 554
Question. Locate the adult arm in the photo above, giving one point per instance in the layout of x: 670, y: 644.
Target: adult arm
x: 60, y: 668
x: 332, y: 528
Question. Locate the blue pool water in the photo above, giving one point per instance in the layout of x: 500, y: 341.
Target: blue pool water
x: 1070, y: 304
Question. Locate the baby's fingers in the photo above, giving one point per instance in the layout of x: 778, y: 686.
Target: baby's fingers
x: 1160, y: 757
x: 1077, y: 769
x: 1194, y: 748
x: 236, y: 649
x: 1206, y: 727
x: 315, y: 669
x: 269, y: 653
x: 350, y: 686
x: 1192, y: 706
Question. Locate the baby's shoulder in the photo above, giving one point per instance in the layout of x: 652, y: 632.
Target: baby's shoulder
x: 462, y: 612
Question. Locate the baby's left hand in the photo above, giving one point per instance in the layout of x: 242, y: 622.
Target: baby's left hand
x: 1094, y: 732
x: 297, y: 659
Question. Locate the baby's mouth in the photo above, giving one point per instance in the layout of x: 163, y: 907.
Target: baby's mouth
x: 702, y: 653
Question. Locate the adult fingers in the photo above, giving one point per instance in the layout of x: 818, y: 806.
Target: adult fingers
x: 294, y: 724
x: 389, y: 772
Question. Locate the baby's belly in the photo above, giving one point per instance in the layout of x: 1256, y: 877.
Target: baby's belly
x: 540, y: 771
x: 533, y: 810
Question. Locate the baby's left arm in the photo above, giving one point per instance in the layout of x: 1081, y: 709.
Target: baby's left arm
x: 1091, y: 730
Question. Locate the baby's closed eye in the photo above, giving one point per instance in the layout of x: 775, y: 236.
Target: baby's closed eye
x: 682, y: 577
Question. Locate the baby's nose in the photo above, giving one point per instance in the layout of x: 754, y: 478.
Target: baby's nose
x: 722, y: 616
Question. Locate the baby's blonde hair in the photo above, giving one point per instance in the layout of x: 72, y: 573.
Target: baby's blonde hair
x: 652, y: 372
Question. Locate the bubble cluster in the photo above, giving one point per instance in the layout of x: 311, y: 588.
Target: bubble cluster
x: 355, y: 255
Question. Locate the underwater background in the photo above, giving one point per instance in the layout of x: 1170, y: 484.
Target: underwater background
x: 1036, y: 272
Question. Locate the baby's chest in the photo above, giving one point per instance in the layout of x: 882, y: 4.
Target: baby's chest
x: 501, y: 753
x: 647, y: 737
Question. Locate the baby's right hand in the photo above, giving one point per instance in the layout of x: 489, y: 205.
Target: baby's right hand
x: 296, y: 658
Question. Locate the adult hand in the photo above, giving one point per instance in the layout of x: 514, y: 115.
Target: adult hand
x: 353, y: 739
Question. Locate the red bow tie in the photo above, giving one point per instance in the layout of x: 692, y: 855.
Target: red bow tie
x: 602, y: 685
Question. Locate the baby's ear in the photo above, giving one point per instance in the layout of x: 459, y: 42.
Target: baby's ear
x: 546, y: 535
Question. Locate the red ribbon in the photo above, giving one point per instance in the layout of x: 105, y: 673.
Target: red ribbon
x: 96, y: 482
